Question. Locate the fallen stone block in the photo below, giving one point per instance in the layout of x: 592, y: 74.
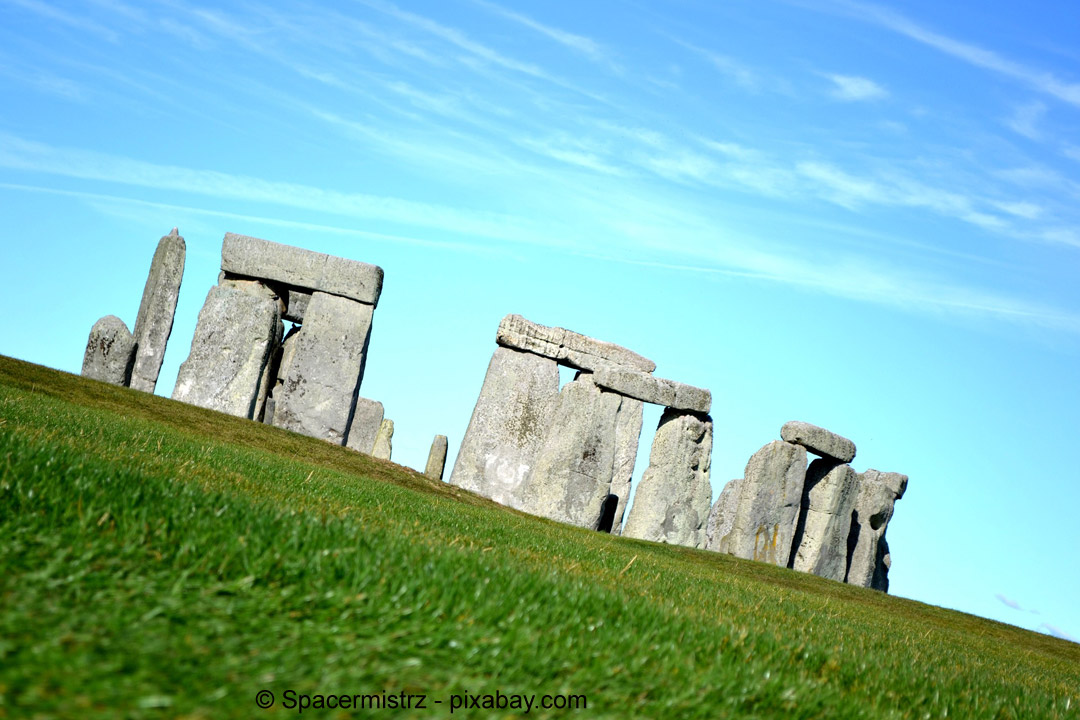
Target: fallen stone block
x: 384, y: 440
x: 110, y: 352
x: 822, y: 536
x: 154, y: 323
x: 568, y: 347
x: 657, y: 391
x: 818, y: 440
x: 436, y: 459
x: 367, y: 419
x: 877, y: 495
x: 672, y: 502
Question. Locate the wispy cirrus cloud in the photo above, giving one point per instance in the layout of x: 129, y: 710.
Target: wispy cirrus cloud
x: 1057, y: 632
x: 578, y: 43
x: 854, y: 88
x: 1026, y: 118
x: 728, y: 66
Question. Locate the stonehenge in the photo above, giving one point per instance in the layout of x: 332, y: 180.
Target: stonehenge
x: 110, y: 351
x: 436, y: 461
x: 383, y: 446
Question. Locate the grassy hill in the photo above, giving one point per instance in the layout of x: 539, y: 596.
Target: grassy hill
x: 160, y: 560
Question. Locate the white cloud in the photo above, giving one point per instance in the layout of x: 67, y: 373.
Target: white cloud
x: 854, y: 88
x: 1057, y: 632
x: 1025, y: 120
x: 732, y: 68
x: 579, y: 43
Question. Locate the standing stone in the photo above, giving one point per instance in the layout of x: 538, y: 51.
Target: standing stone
x: 880, y: 580
x: 507, y: 425
x: 819, y: 441
x: 436, y: 459
x: 383, y: 445
x: 673, y: 497
x: 236, y: 332
x: 367, y: 419
x: 767, y: 510
x: 722, y: 516
x: 878, y: 493
x: 627, y: 435
x: 828, y: 503
x: 326, y: 367
x: 110, y: 352
x: 571, y: 479
x: 153, y: 325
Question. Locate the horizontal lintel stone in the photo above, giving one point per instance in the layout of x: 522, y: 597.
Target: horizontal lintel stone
x: 567, y: 347
x: 645, y: 387
x: 818, y: 440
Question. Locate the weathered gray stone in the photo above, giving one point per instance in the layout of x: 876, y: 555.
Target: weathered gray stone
x: 153, y: 325
x: 366, y: 421
x: 880, y: 580
x: 672, y: 500
x: 658, y: 391
x: 298, y: 268
x: 828, y: 502
x: 878, y: 493
x: 571, y: 479
x: 767, y: 510
x: 818, y: 440
x: 110, y: 352
x: 627, y: 436
x: 507, y: 425
x: 268, y: 379
x: 234, y: 337
x: 568, y: 347
x: 296, y: 302
x: 325, y: 369
x: 383, y: 440
x: 722, y: 516
x: 436, y: 459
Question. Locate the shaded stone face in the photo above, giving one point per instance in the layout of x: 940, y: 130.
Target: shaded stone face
x: 877, y: 494
x: 571, y: 478
x: 722, y: 516
x: 627, y: 435
x: 384, y: 440
x: 110, y: 352
x: 570, y: 348
x: 236, y: 332
x: 436, y: 460
x: 324, y: 368
x: 507, y: 426
x: 657, y: 391
x: 672, y: 500
x: 367, y: 419
x: 154, y: 323
x: 819, y: 441
x: 828, y: 503
x: 767, y: 509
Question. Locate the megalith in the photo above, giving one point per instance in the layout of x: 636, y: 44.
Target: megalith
x: 722, y: 516
x: 154, y: 323
x: 110, y: 352
x: 436, y: 459
x: 818, y: 440
x: 571, y: 477
x: 767, y: 506
x: 880, y: 580
x: 507, y: 426
x: 236, y: 333
x: 821, y: 540
x: 324, y: 371
x: 877, y: 494
x: 658, y: 391
x: 628, y: 423
x: 566, y: 346
x: 366, y: 421
x: 383, y: 440
x: 673, y: 497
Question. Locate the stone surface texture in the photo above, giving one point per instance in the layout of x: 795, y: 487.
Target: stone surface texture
x: 299, y: 268
x: 829, y: 497
x: 154, y: 323
x: 818, y: 440
x: 768, y: 505
x: 323, y: 374
x: 367, y: 419
x: 658, y: 391
x: 881, y: 568
x: 234, y: 337
x: 878, y: 493
x: 627, y: 436
x: 571, y: 478
x: 672, y: 502
x: 384, y: 447
x: 567, y: 347
x: 722, y: 516
x: 296, y: 302
x: 110, y: 352
x: 507, y: 426
x: 436, y: 459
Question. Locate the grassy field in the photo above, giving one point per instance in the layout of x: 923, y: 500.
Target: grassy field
x: 159, y: 560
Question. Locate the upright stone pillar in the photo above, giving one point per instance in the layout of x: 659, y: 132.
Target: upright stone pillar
x: 110, y: 352
x: 364, y: 428
x: 436, y: 460
x: 722, y: 516
x: 507, y: 426
x: 673, y: 497
x: 878, y: 493
x: 156, y: 310
x: 571, y: 479
x: 384, y: 441
x: 627, y: 435
x: 828, y: 502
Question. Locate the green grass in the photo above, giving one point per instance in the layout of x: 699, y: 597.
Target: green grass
x: 159, y: 560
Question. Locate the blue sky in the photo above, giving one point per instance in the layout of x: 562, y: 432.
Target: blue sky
x: 862, y: 216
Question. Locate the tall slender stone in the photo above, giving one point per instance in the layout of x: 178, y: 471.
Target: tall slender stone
x: 722, y: 516
x: 880, y: 581
x: 110, y: 352
x: 673, y: 497
x: 507, y: 426
x: 234, y: 337
x: 436, y: 459
x: 383, y: 440
x: 571, y: 479
x: 828, y: 503
x: 878, y: 493
x: 767, y: 509
x: 627, y: 435
x: 367, y: 419
x: 324, y: 373
x: 154, y: 323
